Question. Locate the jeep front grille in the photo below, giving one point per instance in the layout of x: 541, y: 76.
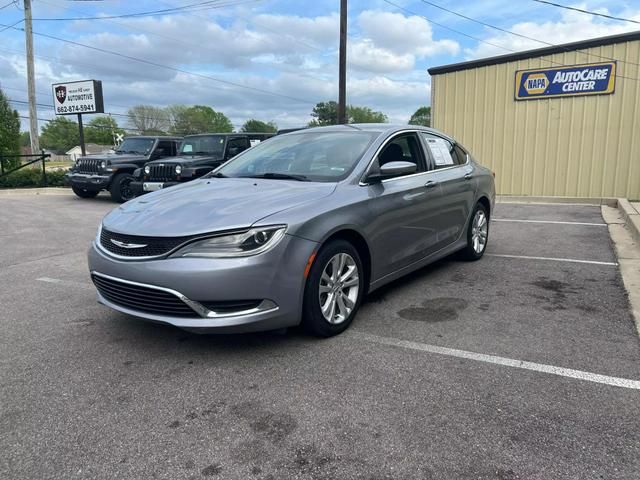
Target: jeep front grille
x: 88, y: 165
x: 162, y: 173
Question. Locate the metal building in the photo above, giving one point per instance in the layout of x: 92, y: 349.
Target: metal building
x: 556, y: 121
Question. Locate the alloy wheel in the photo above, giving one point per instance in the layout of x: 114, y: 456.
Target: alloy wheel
x: 339, y: 286
x: 479, y: 231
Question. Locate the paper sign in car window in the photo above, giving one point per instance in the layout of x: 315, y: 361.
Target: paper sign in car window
x: 440, y: 150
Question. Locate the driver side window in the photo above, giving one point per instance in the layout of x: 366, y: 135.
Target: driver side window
x: 403, y: 148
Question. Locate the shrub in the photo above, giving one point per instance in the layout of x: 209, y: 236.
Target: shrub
x: 32, y: 177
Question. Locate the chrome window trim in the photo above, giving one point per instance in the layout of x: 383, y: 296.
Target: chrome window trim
x: 264, y: 306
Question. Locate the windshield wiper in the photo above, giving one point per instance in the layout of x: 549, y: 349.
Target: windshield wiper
x: 281, y: 176
x: 218, y: 175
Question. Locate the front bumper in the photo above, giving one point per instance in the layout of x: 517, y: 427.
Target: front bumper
x: 275, y: 277
x: 88, y: 181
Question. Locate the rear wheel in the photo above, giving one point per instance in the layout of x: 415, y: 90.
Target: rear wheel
x: 334, y: 290
x: 84, y: 193
x: 121, y: 190
x: 477, y: 234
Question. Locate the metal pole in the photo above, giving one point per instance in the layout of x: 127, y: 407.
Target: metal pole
x: 84, y: 153
x: 31, y: 84
x: 44, y: 169
x: 342, y: 73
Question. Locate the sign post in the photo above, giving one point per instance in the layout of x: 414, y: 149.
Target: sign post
x: 76, y: 98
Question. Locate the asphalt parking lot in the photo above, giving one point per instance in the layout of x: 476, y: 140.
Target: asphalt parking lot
x: 524, y: 365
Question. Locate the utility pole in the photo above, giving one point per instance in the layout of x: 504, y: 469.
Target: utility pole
x: 342, y: 69
x: 31, y: 83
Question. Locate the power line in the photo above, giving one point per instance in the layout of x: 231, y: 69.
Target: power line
x: 167, y: 67
x: 7, y: 27
x: 552, y: 62
x: 13, y: 2
x: 211, y: 4
x: 588, y: 12
x: 510, y: 32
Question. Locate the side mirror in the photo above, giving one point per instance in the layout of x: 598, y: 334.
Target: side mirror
x: 393, y: 169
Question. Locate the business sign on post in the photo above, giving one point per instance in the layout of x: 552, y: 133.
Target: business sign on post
x: 588, y: 79
x: 72, y: 98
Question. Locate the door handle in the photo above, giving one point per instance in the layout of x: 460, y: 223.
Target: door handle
x: 430, y: 184
x: 468, y: 176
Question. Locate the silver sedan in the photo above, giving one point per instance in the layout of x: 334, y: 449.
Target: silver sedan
x: 294, y: 230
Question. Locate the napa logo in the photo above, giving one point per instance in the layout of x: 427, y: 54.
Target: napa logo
x: 536, y: 83
x: 565, y: 81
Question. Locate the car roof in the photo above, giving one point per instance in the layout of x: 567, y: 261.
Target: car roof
x: 163, y: 137
x: 387, y: 128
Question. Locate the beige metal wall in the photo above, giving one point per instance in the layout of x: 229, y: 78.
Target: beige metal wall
x: 586, y: 146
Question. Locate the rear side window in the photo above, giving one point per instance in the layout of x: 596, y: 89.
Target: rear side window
x: 445, y: 154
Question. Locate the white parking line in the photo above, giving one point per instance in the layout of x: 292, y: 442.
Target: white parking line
x: 570, y: 260
x: 63, y: 282
x: 548, y: 221
x: 508, y: 362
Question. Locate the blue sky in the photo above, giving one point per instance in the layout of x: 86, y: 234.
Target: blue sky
x: 283, y: 52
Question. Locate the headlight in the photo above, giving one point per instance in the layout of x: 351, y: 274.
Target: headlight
x: 147, y: 169
x: 255, y: 241
x: 178, y: 169
x: 103, y: 164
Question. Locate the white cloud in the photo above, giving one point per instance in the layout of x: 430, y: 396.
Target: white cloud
x: 572, y: 27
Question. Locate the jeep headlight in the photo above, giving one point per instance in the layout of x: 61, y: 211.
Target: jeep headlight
x: 103, y: 164
x: 147, y: 169
x: 178, y: 169
x: 253, y: 242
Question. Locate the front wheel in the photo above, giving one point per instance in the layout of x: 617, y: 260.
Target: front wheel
x: 477, y: 234
x: 334, y: 290
x: 84, y: 193
x: 121, y: 190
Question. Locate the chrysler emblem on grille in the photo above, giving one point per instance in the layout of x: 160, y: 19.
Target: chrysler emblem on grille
x: 127, y: 245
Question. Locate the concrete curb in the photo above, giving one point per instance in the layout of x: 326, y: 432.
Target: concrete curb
x: 631, y: 217
x: 609, y: 201
x: 36, y: 191
x: 626, y: 240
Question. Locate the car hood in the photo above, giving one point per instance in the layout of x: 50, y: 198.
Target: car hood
x: 185, y: 159
x: 115, y: 157
x: 210, y: 205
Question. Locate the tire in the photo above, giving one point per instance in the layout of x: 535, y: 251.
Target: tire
x: 84, y: 193
x: 348, y: 295
x: 120, y: 189
x: 477, y: 231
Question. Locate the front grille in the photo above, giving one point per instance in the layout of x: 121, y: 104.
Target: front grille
x: 162, y: 172
x: 153, y: 246
x: 88, y: 165
x: 142, y: 299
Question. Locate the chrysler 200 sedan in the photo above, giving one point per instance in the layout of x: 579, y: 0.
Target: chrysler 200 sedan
x: 294, y: 230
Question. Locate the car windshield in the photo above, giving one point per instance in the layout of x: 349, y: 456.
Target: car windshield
x: 203, y: 145
x: 312, y: 156
x: 141, y: 146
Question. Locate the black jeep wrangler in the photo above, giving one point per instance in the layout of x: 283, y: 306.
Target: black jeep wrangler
x: 199, y: 154
x: 114, y: 171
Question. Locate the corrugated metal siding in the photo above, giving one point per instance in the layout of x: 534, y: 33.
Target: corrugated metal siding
x: 585, y: 146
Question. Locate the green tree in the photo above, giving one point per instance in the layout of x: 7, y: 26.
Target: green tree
x: 365, y: 115
x: 198, y: 119
x: 326, y: 113
x: 25, y: 139
x: 9, y: 131
x: 149, y: 120
x: 258, y: 126
x: 421, y: 116
x: 60, y: 135
x: 101, y: 130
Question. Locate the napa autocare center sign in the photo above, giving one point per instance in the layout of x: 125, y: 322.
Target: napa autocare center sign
x: 72, y: 98
x: 588, y: 79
